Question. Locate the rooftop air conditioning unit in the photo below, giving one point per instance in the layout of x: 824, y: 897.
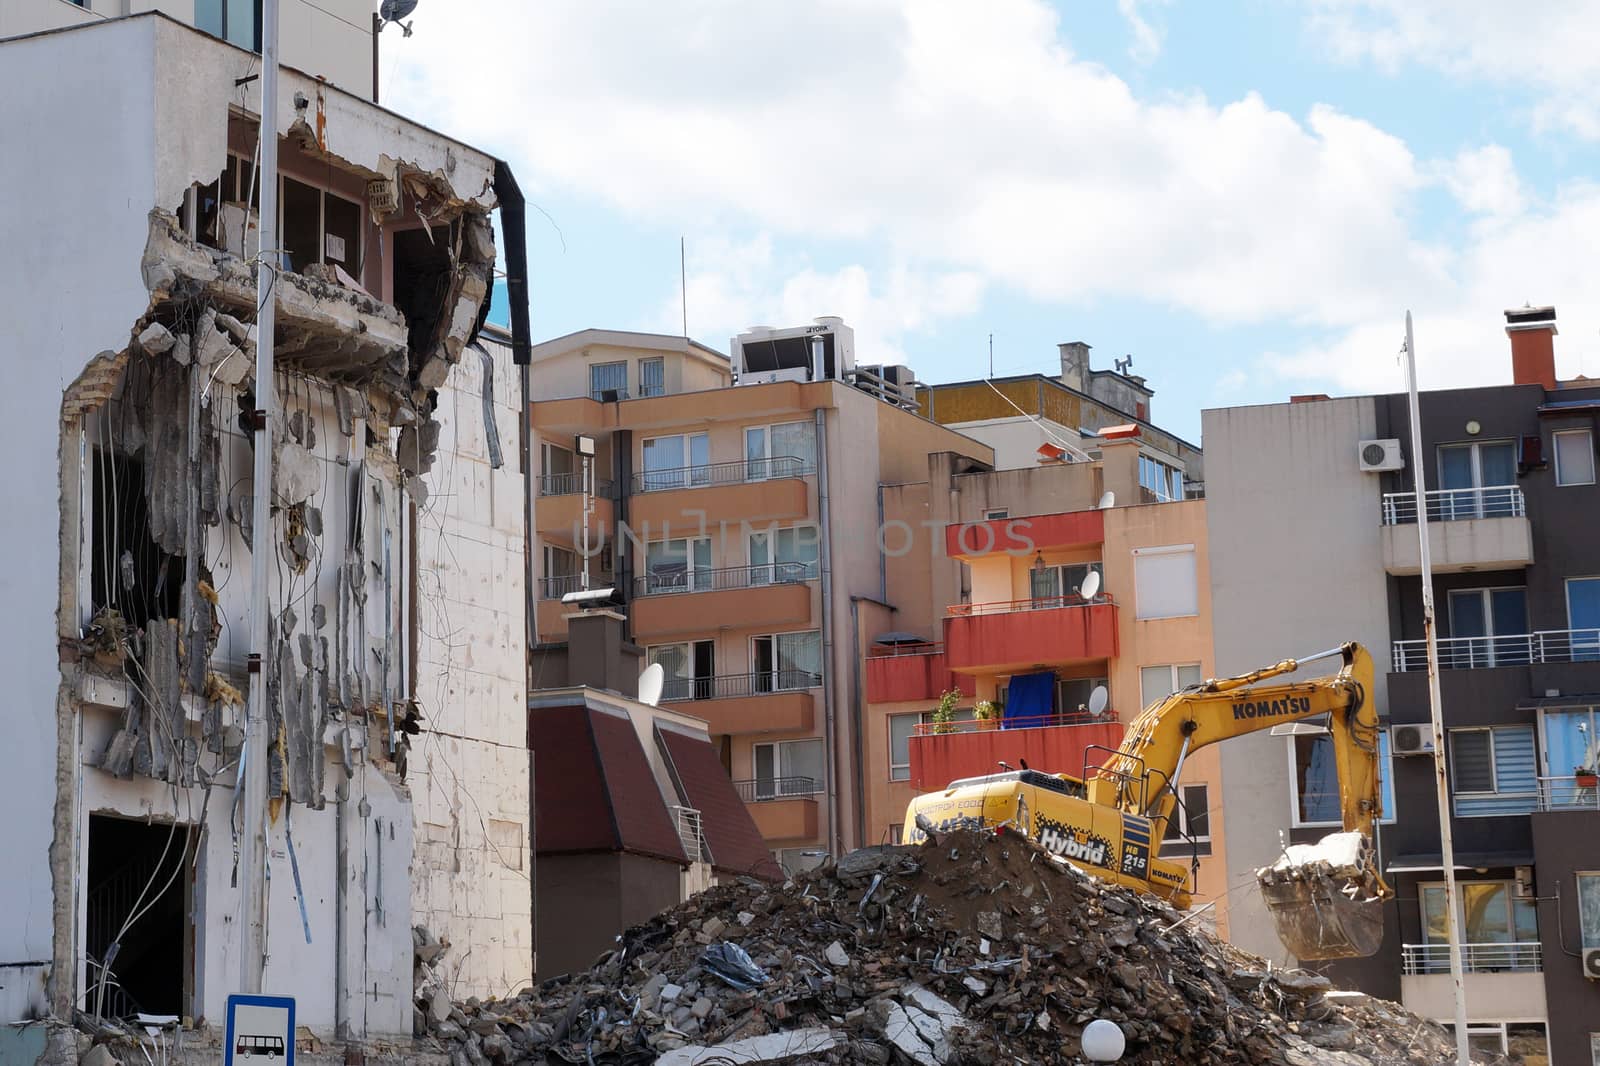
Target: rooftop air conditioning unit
x: 1591, y: 963
x: 1411, y: 740
x: 1380, y: 455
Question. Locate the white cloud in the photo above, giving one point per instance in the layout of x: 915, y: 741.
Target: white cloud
x: 1484, y: 181
x: 1552, y: 48
x: 1147, y: 36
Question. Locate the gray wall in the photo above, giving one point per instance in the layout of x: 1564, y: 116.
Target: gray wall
x: 1296, y: 568
x: 586, y: 900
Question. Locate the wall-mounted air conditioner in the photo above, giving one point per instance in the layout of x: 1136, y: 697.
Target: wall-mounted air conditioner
x: 1411, y: 740
x: 1379, y: 455
x: 1591, y: 963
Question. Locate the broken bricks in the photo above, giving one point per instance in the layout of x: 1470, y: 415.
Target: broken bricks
x: 913, y: 985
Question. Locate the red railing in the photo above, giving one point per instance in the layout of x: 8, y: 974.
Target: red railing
x: 895, y: 651
x: 902, y: 672
x: 1036, y: 603
x: 1042, y: 721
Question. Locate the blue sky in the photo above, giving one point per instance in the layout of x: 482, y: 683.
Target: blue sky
x: 1246, y: 196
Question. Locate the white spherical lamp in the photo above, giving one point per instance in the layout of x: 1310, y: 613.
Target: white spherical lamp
x: 1102, y: 1041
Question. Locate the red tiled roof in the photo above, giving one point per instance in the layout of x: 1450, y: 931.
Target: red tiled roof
x: 731, y: 834
x: 593, y: 787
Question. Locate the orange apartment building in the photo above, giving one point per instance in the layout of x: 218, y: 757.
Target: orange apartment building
x: 732, y: 507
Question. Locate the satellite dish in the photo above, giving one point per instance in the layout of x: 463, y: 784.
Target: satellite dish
x: 1107, y: 499
x: 1098, y: 700
x: 1091, y: 585
x: 651, y: 681
x: 395, y: 10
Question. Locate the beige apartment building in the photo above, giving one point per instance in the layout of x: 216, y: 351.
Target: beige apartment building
x: 733, y: 508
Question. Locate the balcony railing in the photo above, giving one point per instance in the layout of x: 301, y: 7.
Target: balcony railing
x: 571, y: 485
x: 776, y: 788
x: 734, y: 473
x: 553, y: 588
x: 1454, y: 505
x: 1515, y: 649
x: 673, y: 582
x: 900, y: 651
x: 1516, y: 957
x: 1566, y: 794
x: 732, y: 686
x: 1041, y: 721
x: 1036, y: 603
x: 691, y: 832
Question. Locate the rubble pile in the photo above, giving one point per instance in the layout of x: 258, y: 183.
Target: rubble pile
x: 971, y: 948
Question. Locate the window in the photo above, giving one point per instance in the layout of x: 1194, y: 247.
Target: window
x: 1315, y: 778
x: 901, y: 729
x: 1064, y: 579
x: 787, y: 661
x: 1492, y: 771
x: 1574, y: 457
x: 1072, y: 693
x: 896, y: 831
x: 608, y: 381
x: 1583, y: 617
x: 1189, y: 828
x: 1159, y: 682
x: 1490, y: 912
x: 788, y: 768
x: 652, y: 377
x: 677, y: 461
x: 788, y: 554
x: 1164, y: 582
x: 1164, y: 482
x: 1488, y: 627
x: 1589, y: 909
x: 689, y: 669
x: 235, y: 21
x: 1569, y: 741
x: 1523, y: 1043
x: 1469, y: 474
x: 788, y: 449
x: 319, y: 227
x: 681, y: 565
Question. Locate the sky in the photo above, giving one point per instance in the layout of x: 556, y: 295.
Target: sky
x: 1244, y: 195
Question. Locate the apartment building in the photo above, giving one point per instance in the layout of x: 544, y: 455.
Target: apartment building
x: 1013, y: 618
x: 731, y: 504
x: 130, y: 428
x: 1312, y: 510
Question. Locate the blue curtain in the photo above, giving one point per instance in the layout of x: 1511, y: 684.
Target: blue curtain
x: 1030, y: 696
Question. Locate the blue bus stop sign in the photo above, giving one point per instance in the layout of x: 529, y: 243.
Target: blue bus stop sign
x: 260, y: 1031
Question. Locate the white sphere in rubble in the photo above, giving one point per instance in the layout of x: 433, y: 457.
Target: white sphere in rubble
x: 1102, y: 1041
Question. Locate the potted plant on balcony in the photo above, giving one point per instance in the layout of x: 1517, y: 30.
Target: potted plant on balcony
x: 1585, y: 777
x: 986, y: 714
x: 944, y: 715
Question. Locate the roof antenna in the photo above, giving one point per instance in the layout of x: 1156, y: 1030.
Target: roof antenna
x: 991, y: 355
x: 683, y: 285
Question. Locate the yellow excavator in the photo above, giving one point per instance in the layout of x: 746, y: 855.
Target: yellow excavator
x: 1324, y: 898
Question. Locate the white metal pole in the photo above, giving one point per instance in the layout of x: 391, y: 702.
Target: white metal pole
x: 1441, y: 781
x: 253, y: 861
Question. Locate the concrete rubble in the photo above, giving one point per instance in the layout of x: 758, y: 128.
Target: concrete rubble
x: 970, y: 948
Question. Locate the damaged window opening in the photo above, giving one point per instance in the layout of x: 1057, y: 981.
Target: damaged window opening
x: 220, y: 217
x: 129, y: 572
x: 422, y: 275
x: 320, y: 227
x: 152, y: 969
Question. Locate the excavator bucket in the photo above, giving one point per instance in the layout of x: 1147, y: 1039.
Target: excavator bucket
x: 1326, y: 898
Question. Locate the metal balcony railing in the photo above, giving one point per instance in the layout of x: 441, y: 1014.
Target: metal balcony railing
x: 732, y: 686
x: 571, y: 485
x: 1036, y: 603
x: 901, y: 651
x: 1514, y: 957
x: 1039, y: 721
x: 1454, y: 505
x: 736, y: 472
x: 762, y: 789
x: 1512, y: 649
x: 553, y: 588
x: 1568, y: 794
x: 691, y: 832
x: 673, y: 582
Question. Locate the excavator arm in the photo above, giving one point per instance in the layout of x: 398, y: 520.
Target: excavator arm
x: 1324, y: 898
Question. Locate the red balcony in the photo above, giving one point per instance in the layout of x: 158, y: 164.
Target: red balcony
x: 1053, y: 745
x: 1020, y: 635
x: 912, y: 672
x: 1025, y: 534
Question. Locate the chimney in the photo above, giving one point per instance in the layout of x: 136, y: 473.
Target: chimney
x: 599, y: 653
x: 1533, y: 354
x: 1075, y: 365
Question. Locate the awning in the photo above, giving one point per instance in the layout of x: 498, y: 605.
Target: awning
x: 730, y: 833
x: 1577, y: 699
x: 1569, y: 407
x: 1433, y: 862
x: 594, y: 790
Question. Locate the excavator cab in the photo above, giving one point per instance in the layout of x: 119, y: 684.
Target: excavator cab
x: 1325, y: 898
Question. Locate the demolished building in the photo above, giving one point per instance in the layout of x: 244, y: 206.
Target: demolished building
x: 129, y: 299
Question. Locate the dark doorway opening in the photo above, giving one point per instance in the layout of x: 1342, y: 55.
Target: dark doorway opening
x: 422, y: 272
x: 138, y: 871
x: 129, y: 570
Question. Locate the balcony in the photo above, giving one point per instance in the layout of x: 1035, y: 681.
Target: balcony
x: 694, y: 601
x: 1468, y: 529
x: 1020, y: 635
x: 772, y: 701
x: 749, y: 490
x: 559, y: 510
x: 1513, y: 649
x: 912, y: 672
x: 1569, y: 794
x: 1515, y: 957
x: 1056, y: 743
x: 783, y: 808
